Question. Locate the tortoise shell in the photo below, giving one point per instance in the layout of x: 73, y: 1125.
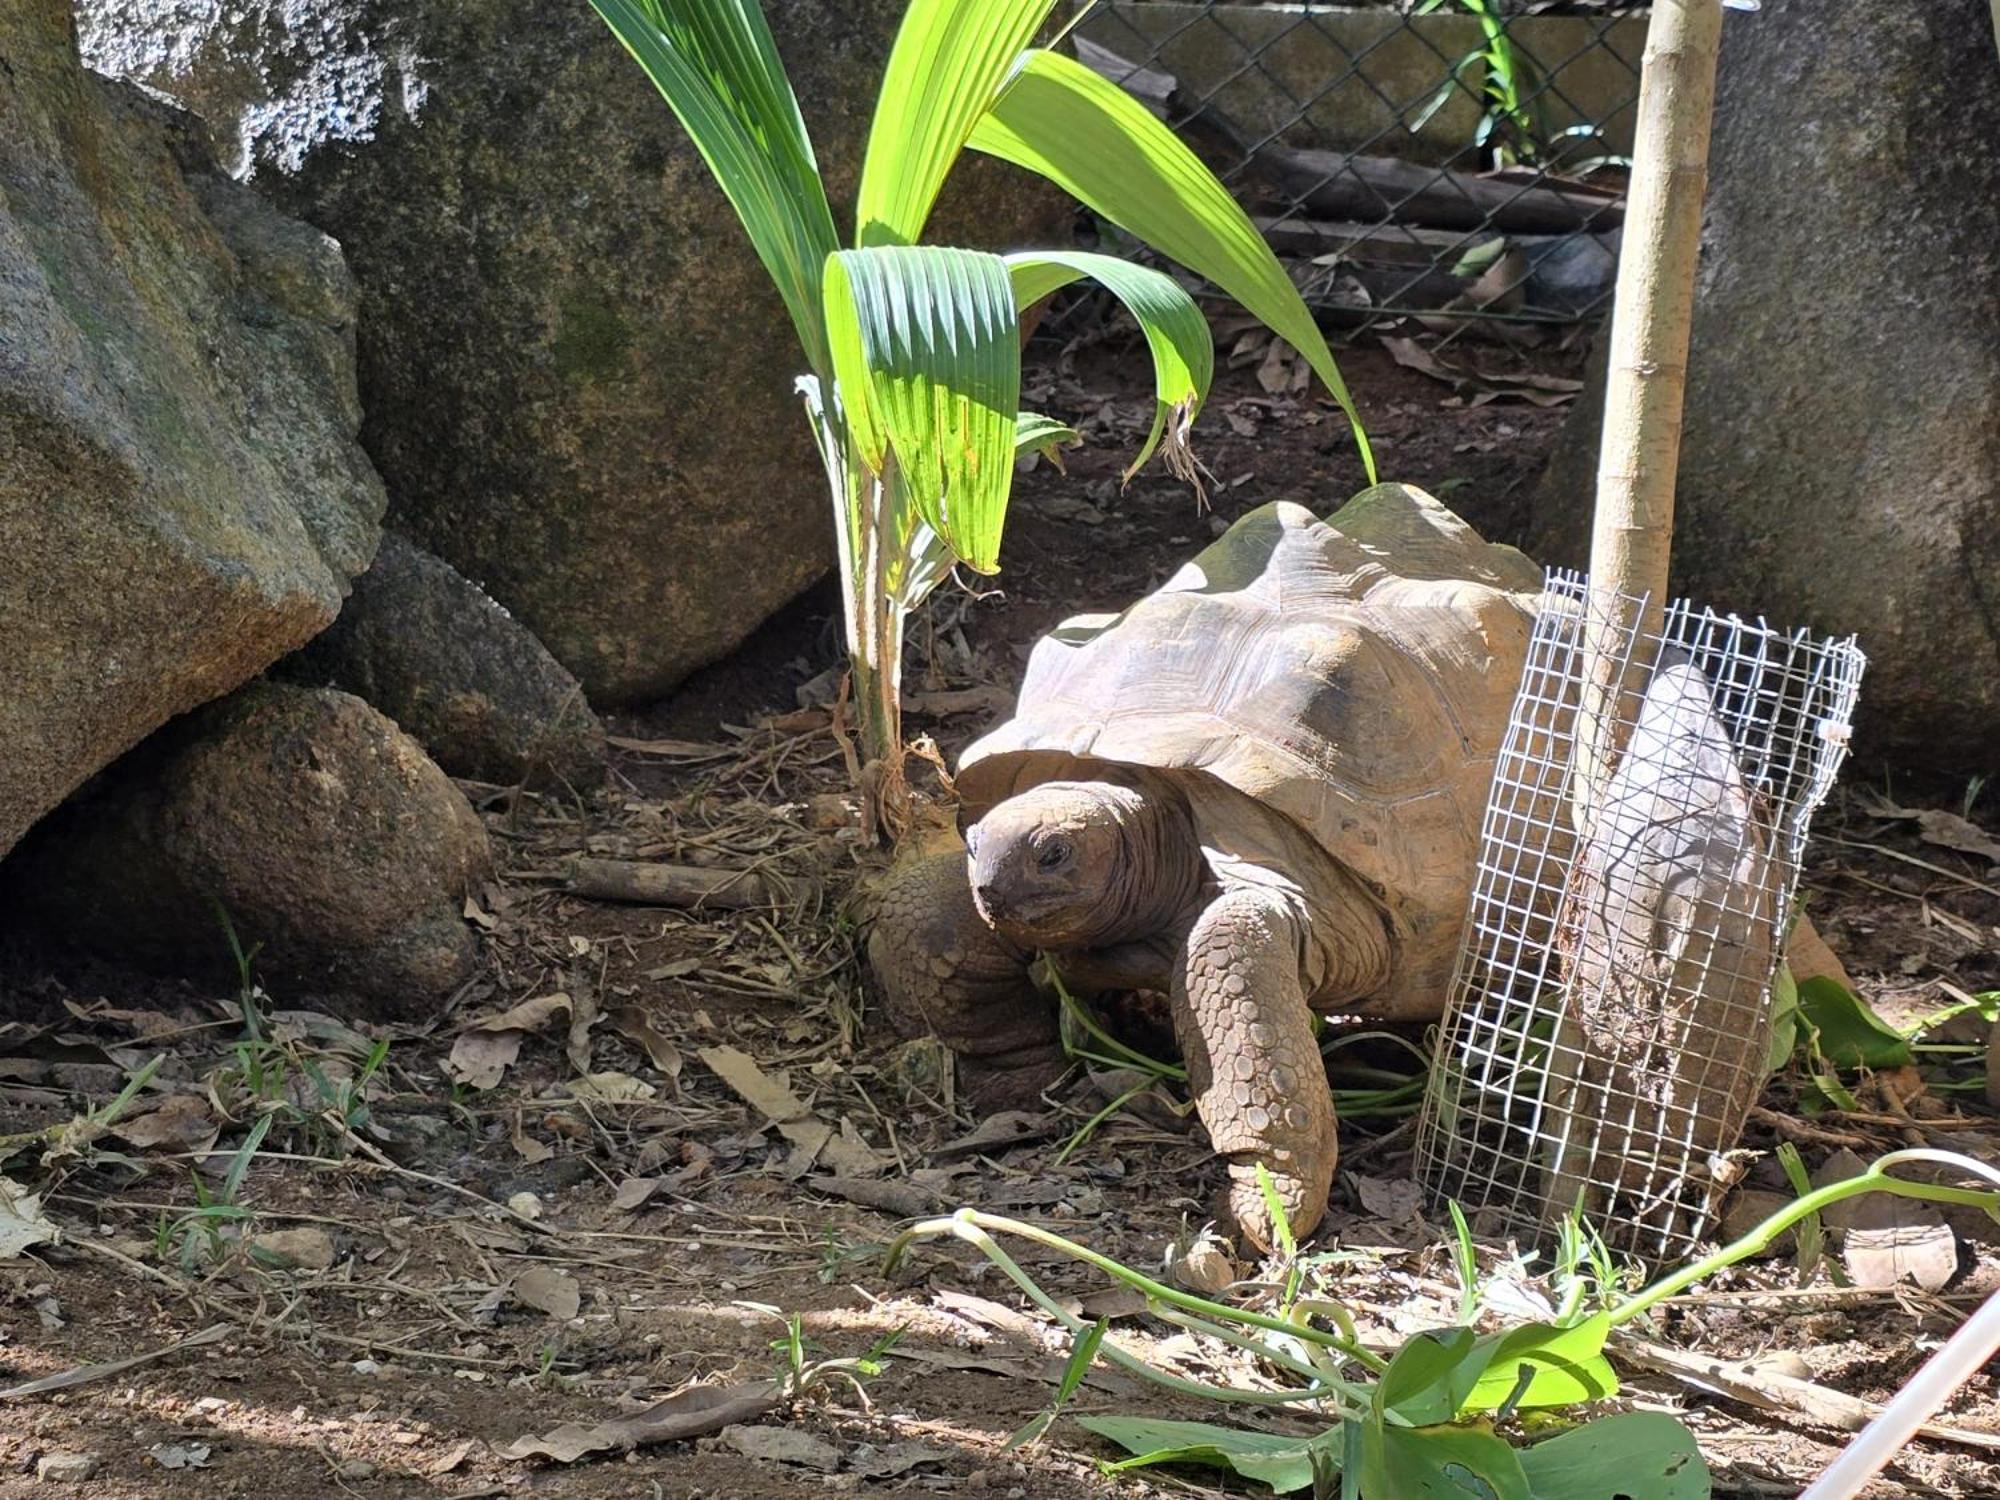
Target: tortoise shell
x: 1354, y: 675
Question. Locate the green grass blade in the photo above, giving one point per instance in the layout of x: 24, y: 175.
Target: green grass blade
x: 1176, y: 332
x: 1100, y: 145
x: 951, y: 59
x: 715, y: 64
x: 927, y: 357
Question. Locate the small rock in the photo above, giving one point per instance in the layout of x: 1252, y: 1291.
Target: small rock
x: 458, y: 673
x: 294, y: 1249
x: 366, y: 1367
x: 65, y: 1468
x: 1838, y: 1167
x: 356, y: 1468
x: 549, y: 1291
x: 1891, y: 1240
x: 319, y: 826
x: 180, y: 1455
x: 1747, y: 1208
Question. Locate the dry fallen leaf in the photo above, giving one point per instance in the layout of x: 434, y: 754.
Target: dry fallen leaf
x: 487, y: 1046
x: 1392, y: 1199
x: 480, y: 1058
x: 1936, y: 826
x: 21, y: 1221
x: 529, y: 1015
x: 182, y: 1121
x: 1414, y: 356
x: 634, y: 1191
x: 450, y: 1459
x: 610, y: 1088
x: 1275, y: 370
x: 550, y: 1291
x: 526, y: 1146
x: 897, y: 1458
x: 632, y: 1023
x: 1949, y: 831
x: 784, y: 1445
x: 771, y: 1096
x: 692, y: 1413
x: 997, y: 1132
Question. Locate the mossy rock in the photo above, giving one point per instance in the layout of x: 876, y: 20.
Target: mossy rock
x: 578, y: 380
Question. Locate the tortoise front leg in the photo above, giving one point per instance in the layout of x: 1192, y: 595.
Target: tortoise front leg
x: 1245, y: 1030
x: 945, y: 973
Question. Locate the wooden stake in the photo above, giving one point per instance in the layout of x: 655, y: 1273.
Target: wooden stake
x: 1633, y: 532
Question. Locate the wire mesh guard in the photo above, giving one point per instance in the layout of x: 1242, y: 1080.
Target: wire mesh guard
x: 1609, y: 1022
x: 1446, y: 162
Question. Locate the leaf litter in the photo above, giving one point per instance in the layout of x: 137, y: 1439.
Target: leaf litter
x: 666, y: 1214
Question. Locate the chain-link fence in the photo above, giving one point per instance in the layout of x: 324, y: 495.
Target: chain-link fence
x: 1454, y: 162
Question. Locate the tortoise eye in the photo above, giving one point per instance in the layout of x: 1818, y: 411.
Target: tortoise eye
x: 1055, y: 852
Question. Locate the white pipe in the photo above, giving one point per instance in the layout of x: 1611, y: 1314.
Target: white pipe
x: 1976, y: 1341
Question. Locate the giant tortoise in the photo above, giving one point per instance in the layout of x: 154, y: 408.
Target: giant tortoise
x: 1258, y: 790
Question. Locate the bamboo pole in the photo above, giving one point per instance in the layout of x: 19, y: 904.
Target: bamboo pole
x: 1632, y: 535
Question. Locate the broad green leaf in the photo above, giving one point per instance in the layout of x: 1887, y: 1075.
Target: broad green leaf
x: 1100, y: 145
x: 1784, y: 1018
x: 1850, y: 1034
x: 1442, y: 1463
x: 1566, y: 1365
x: 718, y: 69
x: 927, y: 360
x: 1035, y: 433
x: 1283, y: 1463
x: 1430, y: 1377
x: 950, y: 61
x: 1176, y: 333
x: 1639, y: 1455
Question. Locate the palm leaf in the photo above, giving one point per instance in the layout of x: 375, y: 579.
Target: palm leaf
x: 1176, y: 332
x: 1035, y: 433
x: 1100, y: 145
x: 927, y: 362
x: 717, y: 67
x: 951, y: 59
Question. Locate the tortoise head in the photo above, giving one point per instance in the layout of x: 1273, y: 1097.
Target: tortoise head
x: 1079, y: 864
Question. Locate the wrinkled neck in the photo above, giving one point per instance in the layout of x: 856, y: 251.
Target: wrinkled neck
x: 1162, y: 865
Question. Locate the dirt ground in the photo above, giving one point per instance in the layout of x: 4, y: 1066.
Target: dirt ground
x: 462, y: 1265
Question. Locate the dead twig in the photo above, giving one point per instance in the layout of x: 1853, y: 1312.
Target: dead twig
x: 1773, y: 1390
x: 84, y: 1374
x: 647, y: 884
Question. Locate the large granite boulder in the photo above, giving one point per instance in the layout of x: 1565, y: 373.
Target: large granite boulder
x: 322, y: 830
x: 1840, y: 466
x: 578, y: 381
x: 182, y: 499
x: 459, y: 674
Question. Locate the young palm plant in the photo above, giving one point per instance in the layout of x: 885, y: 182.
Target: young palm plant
x: 913, y: 351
